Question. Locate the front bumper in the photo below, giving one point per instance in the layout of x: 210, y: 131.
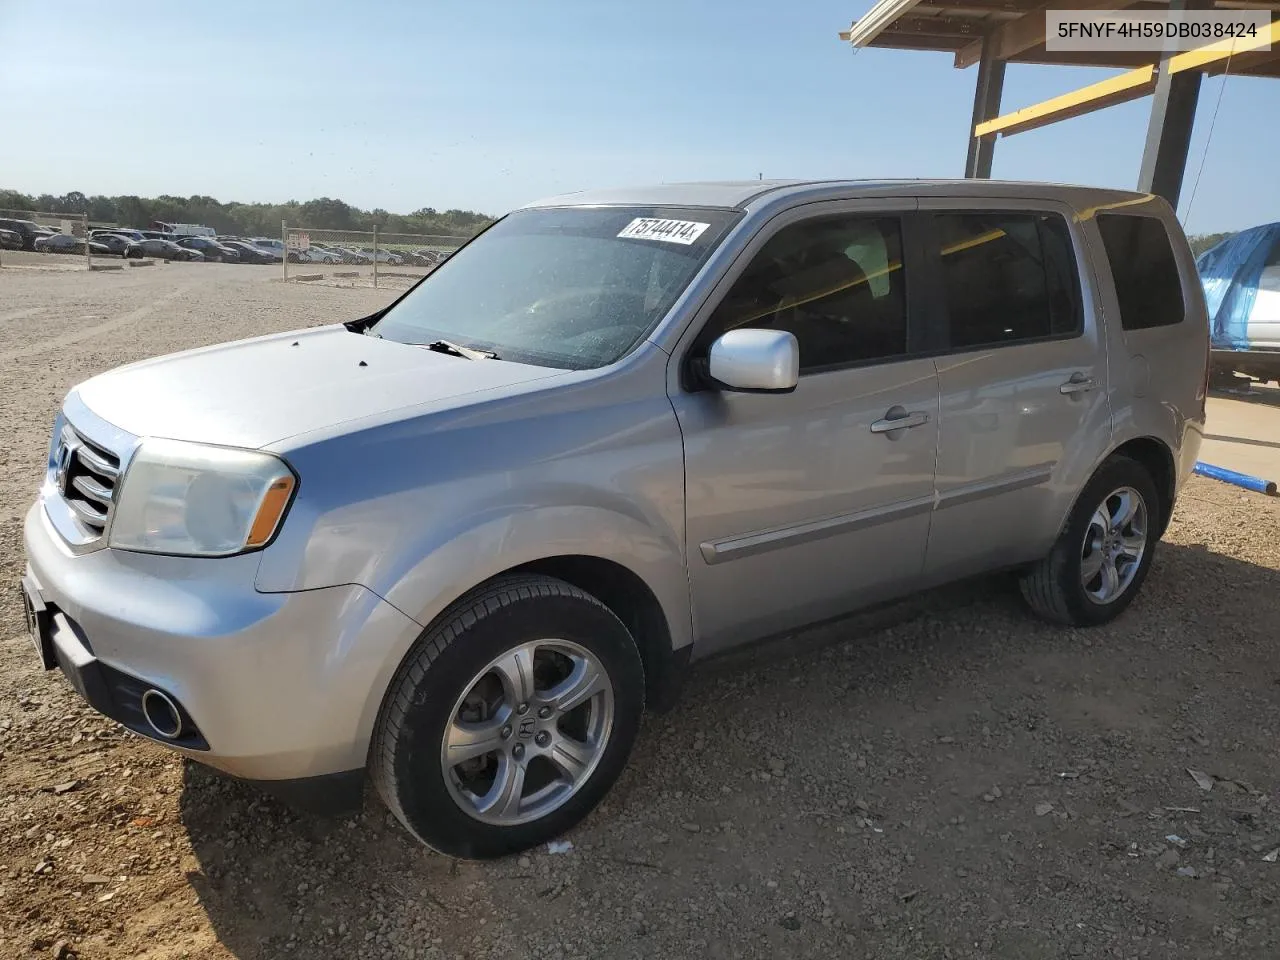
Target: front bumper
x: 273, y: 687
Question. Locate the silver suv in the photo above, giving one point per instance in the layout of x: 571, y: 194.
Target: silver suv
x: 460, y: 544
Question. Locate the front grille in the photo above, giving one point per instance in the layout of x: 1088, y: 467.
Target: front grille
x: 85, y: 475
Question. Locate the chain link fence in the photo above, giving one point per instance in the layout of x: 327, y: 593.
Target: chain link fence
x: 362, y: 258
x: 34, y: 231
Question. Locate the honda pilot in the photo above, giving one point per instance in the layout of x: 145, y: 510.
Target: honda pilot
x: 458, y: 546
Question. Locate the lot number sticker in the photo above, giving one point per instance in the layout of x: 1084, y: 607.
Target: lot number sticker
x: 672, y: 231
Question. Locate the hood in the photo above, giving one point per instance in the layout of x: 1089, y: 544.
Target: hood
x: 254, y: 392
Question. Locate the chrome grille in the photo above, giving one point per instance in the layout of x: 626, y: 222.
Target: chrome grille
x: 85, y: 475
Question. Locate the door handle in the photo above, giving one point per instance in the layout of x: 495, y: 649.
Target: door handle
x: 899, y: 421
x: 1078, y: 384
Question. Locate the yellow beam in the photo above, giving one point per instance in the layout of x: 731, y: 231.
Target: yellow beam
x: 1129, y: 85
x: 1220, y: 50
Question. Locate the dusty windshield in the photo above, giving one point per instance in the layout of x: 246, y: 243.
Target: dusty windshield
x: 572, y: 287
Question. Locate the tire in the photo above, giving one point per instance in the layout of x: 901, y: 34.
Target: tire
x: 1062, y: 587
x: 444, y: 677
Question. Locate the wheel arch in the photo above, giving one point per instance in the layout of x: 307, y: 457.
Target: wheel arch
x: 634, y: 603
x: 617, y: 586
x: 628, y: 565
x: 1156, y: 457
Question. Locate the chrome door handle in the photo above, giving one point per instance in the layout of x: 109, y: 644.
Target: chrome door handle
x: 1078, y: 384
x: 901, y: 422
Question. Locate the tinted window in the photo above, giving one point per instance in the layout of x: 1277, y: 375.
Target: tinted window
x: 836, y: 283
x: 1007, y: 278
x: 1148, y: 289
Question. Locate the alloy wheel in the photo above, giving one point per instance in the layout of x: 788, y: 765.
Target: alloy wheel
x: 1114, y: 544
x: 528, y: 732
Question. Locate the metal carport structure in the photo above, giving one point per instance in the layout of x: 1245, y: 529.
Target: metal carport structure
x: 993, y: 33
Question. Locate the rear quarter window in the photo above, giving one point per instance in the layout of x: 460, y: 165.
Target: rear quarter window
x: 1145, y: 272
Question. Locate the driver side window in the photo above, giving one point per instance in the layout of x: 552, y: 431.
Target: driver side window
x: 836, y: 283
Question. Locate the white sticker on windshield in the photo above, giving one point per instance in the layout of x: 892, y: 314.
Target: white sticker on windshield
x: 655, y: 228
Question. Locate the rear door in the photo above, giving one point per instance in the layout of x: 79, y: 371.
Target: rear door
x: 1022, y: 372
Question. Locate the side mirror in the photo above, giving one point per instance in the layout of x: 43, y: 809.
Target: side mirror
x: 751, y: 360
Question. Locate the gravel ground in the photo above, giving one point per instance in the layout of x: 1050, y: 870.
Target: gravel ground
x: 944, y: 779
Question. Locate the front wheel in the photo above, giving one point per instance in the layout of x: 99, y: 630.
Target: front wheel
x: 1102, y: 556
x: 510, y: 719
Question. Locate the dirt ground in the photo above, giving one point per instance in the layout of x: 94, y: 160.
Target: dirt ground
x: 945, y: 779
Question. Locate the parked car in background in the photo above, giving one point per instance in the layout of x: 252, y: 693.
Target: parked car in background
x: 383, y: 256
x: 274, y: 244
x: 353, y: 256
x: 315, y: 254
x: 161, y: 249
x: 175, y: 231
x: 427, y: 257
x: 28, y: 230
x: 210, y: 248
x: 249, y: 253
x: 115, y: 242
x: 459, y: 545
x: 126, y: 232
x: 10, y: 239
x: 318, y: 254
x: 65, y: 243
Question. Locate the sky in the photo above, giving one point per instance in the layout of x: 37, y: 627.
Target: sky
x: 484, y: 106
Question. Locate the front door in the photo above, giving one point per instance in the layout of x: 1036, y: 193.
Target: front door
x: 1024, y: 414
x: 803, y: 506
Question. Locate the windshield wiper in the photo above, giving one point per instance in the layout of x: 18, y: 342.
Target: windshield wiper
x: 458, y: 350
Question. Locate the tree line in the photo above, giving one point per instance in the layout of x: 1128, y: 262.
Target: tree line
x: 245, y: 219
x: 1200, y: 242
x: 263, y: 219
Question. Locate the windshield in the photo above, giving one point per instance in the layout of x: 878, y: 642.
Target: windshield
x: 574, y: 287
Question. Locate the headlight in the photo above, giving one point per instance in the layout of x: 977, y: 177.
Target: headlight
x: 191, y: 500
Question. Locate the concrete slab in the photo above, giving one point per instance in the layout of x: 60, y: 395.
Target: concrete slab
x: 1242, y: 432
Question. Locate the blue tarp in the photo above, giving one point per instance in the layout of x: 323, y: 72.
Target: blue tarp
x: 1230, y: 272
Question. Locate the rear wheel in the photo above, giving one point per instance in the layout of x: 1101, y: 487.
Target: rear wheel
x: 510, y: 718
x: 1104, y: 552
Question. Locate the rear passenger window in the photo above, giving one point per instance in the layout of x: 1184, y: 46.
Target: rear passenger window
x: 1007, y: 278
x: 1148, y: 288
x: 835, y: 282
